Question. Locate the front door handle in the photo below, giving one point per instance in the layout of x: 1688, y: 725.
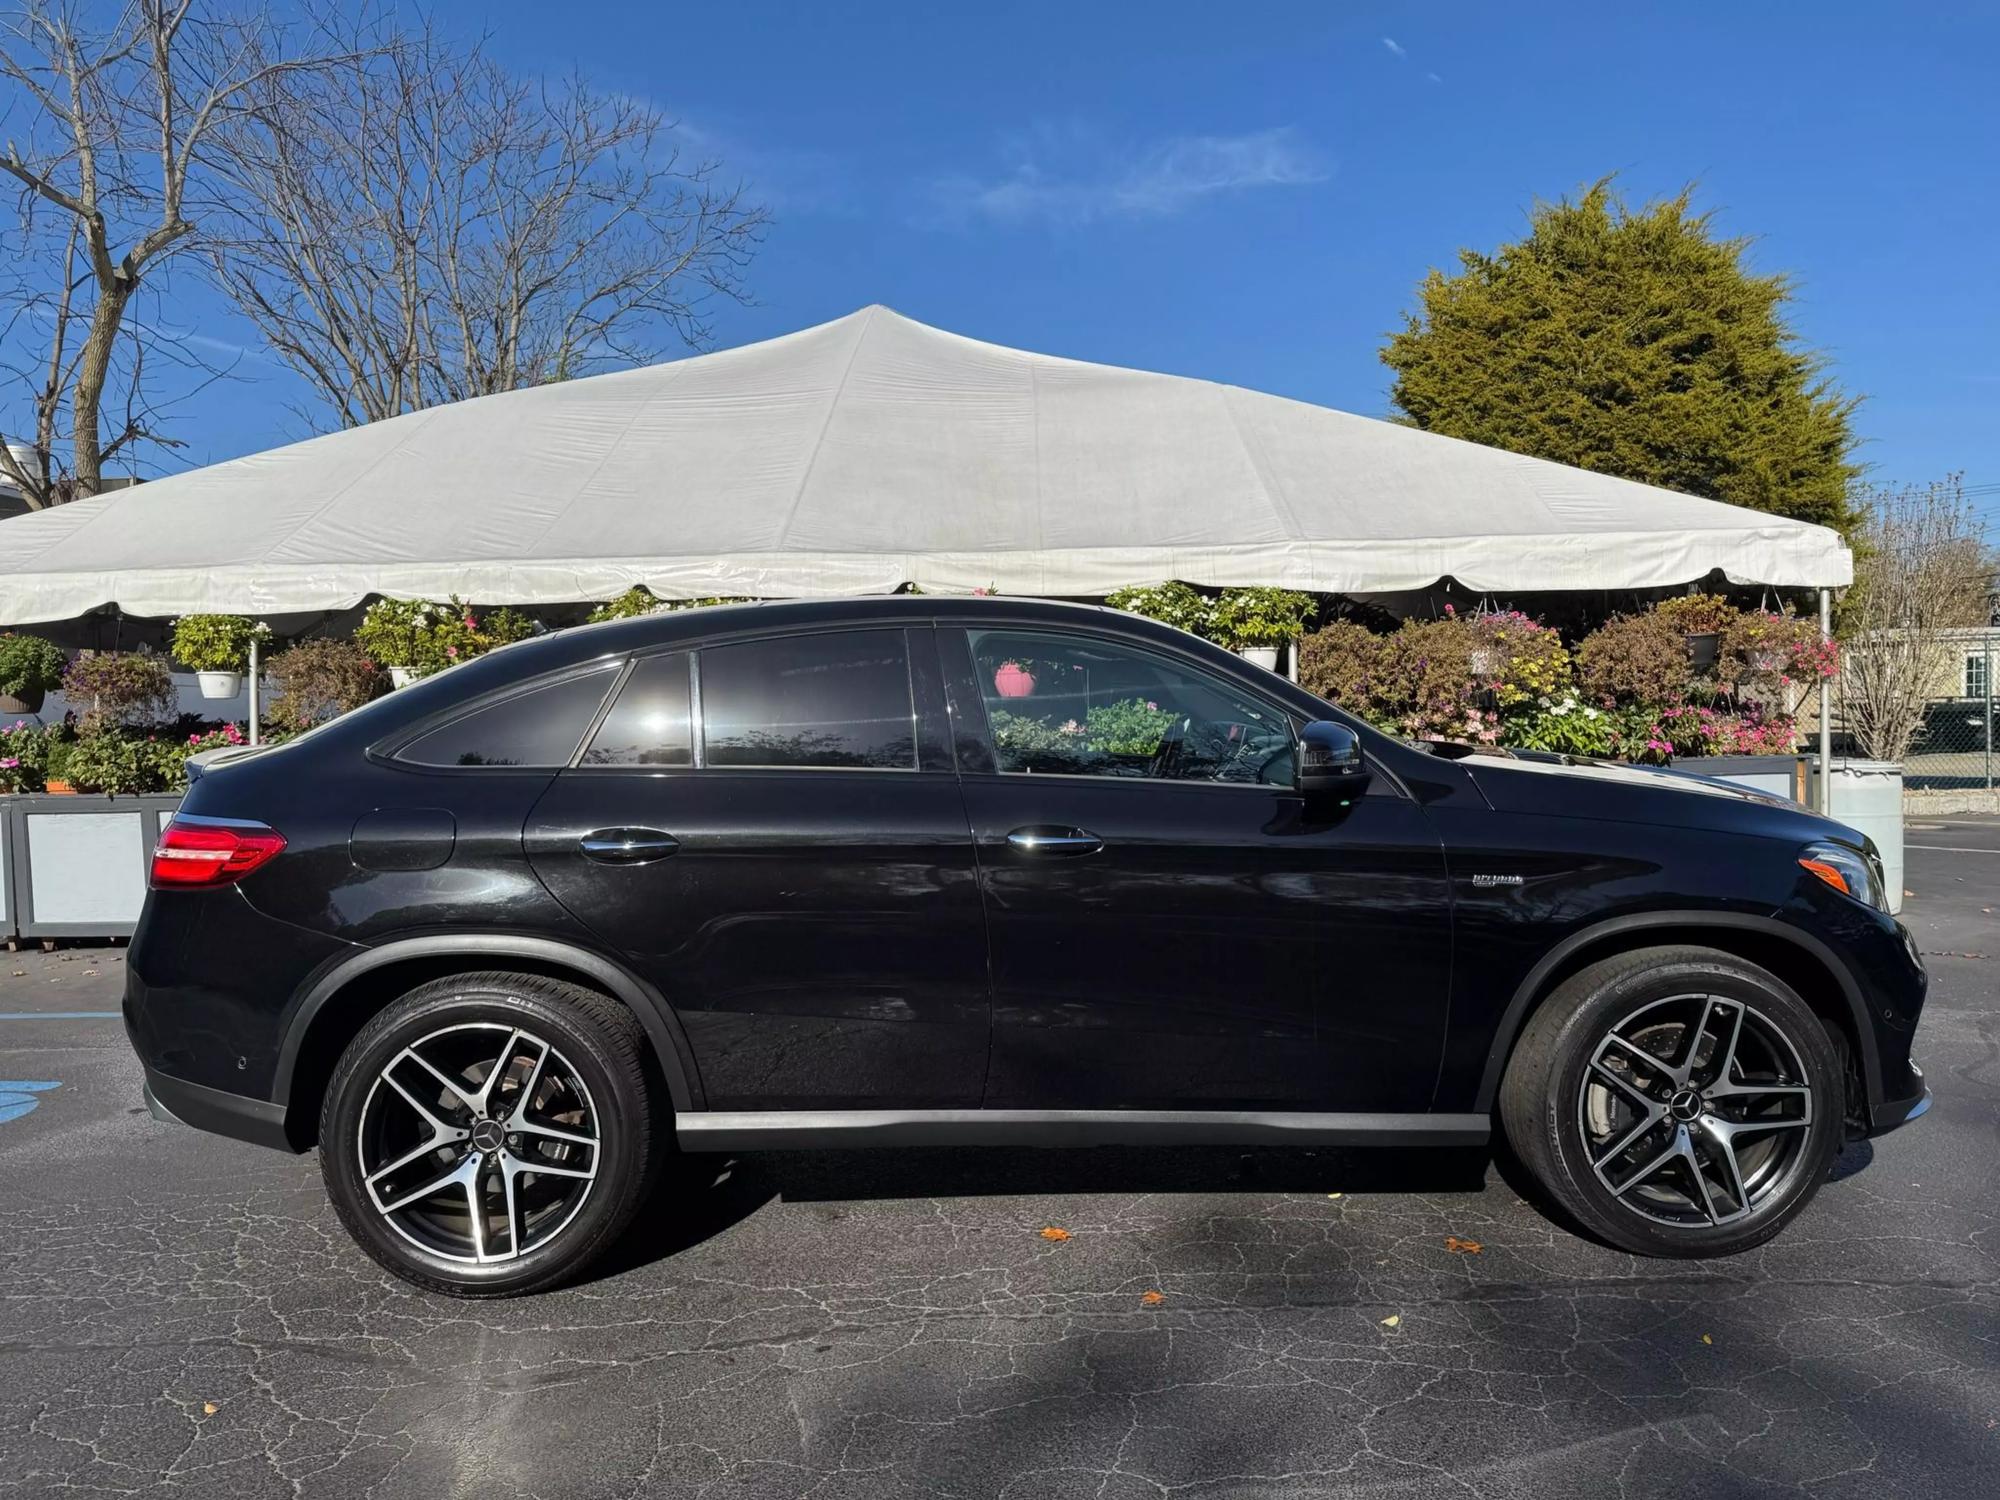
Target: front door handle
x: 1054, y: 841
x: 628, y: 846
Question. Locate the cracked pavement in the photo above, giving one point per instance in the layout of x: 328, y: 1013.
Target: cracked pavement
x: 179, y: 1313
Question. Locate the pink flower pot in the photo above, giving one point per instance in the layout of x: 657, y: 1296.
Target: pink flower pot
x: 1013, y: 680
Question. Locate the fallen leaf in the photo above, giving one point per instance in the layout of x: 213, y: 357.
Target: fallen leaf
x: 1331, y: 1196
x: 1707, y: 1339
x: 1462, y: 1247
x: 1053, y: 1233
x: 1392, y: 1320
x: 89, y: 973
x: 208, y: 1408
x: 1153, y: 1299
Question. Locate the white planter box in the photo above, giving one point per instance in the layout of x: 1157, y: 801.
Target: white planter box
x: 220, y: 684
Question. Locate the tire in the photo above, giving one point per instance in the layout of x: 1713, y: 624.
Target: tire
x: 528, y: 1092
x: 1750, y: 1117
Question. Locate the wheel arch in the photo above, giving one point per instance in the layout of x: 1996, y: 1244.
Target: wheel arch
x: 333, y: 1006
x: 1796, y: 957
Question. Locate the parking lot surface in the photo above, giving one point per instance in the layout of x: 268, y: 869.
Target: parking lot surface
x: 180, y: 1313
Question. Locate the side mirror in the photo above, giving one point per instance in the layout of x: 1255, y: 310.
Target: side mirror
x: 1330, y: 762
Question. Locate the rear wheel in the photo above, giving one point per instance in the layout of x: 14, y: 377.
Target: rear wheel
x: 1676, y: 1101
x: 490, y: 1134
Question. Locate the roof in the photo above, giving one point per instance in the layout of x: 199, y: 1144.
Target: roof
x: 860, y: 455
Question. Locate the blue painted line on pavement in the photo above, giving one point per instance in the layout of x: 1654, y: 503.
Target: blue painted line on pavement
x: 17, y: 1097
x: 59, y: 1015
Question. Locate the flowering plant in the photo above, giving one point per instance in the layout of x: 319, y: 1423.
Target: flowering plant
x: 1566, y: 725
x: 426, y: 635
x: 216, y: 643
x: 640, y: 600
x: 1170, y: 603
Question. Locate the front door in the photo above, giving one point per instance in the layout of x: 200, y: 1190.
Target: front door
x: 1167, y: 929
x: 770, y: 831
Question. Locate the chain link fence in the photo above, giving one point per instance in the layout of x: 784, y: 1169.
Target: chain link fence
x: 1957, y: 746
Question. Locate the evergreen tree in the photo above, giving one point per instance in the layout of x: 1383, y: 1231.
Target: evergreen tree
x: 1635, y: 344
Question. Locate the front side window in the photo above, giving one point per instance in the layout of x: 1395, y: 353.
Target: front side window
x: 1069, y: 705
x: 538, y: 728
x: 839, y: 699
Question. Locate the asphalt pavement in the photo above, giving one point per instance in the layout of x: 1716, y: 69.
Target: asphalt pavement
x: 182, y: 1314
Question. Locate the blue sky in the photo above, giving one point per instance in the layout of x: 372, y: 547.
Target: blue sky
x: 1250, y: 193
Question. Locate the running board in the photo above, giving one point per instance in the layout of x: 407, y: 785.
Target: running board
x: 730, y: 1130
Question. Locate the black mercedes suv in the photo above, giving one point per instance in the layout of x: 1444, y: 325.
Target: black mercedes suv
x: 920, y: 871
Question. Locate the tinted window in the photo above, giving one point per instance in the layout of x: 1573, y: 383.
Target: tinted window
x: 648, y: 725
x: 809, y: 700
x: 1076, y: 706
x: 538, y: 728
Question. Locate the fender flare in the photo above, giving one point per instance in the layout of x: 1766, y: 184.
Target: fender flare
x: 662, y: 1026
x: 1530, y: 988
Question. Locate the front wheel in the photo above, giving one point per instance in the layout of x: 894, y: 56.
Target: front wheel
x: 1676, y: 1101
x: 490, y: 1134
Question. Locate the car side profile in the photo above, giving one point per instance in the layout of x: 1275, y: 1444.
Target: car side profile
x: 921, y: 871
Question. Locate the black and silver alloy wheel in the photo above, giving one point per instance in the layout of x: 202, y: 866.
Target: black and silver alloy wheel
x: 1693, y: 1110
x: 490, y: 1134
x: 1676, y: 1101
x: 479, y: 1141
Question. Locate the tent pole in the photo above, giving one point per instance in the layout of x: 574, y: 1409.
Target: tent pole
x: 1825, y: 709
x: 256, y: 671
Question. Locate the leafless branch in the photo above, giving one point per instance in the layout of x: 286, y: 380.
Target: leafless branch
x: 422, y: 226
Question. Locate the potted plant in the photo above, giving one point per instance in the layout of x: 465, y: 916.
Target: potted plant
x: 216, y: 648
x: 119, y: 687
x: 1170, y: 603
x: 1255, y: 622
x: 318, y: 680
x: 416, y: 637
x: 1701, y: 620
x: 29, y: 668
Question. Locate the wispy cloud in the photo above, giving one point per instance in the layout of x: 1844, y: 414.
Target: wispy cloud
x: 1062, y: 177
x: 782, y: 179
x: 1395, y: 47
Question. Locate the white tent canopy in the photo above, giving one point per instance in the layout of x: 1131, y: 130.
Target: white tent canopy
x: 866, y: 453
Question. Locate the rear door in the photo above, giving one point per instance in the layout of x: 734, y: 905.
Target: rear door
x: 769, y: 829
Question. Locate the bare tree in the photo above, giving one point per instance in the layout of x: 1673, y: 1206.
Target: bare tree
x: 426, y: 227
x: 1922, y: 568
x: 107, y: 138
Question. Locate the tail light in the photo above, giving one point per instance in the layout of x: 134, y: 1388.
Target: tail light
x: 202, y: 853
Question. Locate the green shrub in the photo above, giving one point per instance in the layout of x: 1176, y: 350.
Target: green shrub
x: 1132, y: 727
x: 1259, y: 617
x: 216, y: 643
x: 122, y: 764
x: 29, y: 666
x: 640, y: 600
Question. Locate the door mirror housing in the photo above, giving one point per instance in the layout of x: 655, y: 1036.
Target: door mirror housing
x: 1330, y: 763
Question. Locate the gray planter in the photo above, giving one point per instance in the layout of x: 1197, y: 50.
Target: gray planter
x: 76, y: 866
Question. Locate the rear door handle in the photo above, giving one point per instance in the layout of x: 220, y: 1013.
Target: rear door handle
x: 1054, y: 841
x: 628, y: 846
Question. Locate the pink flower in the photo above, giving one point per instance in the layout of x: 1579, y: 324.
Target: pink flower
x: 1152, y: 705
x: 451, y: 651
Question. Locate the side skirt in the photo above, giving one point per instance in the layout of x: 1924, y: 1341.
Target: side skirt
x: 726, y: 1130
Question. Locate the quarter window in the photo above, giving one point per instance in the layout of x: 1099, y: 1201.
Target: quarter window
x: 1075, y: 706
x: 841, y: 699
x: 649, y: 724
x: 538, y: 728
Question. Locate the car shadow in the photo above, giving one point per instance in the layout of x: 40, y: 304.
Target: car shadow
x: 704, y: 1196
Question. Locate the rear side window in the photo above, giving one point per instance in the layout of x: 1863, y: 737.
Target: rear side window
x: 840, y: 699
x: 649, y: 724
x: 539, y: 728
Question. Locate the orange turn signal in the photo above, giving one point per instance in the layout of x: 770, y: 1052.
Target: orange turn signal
x: 1827, y: 873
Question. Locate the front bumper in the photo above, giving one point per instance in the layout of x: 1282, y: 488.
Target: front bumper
x: 1891, y: 1114
x: 257, y: 1121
